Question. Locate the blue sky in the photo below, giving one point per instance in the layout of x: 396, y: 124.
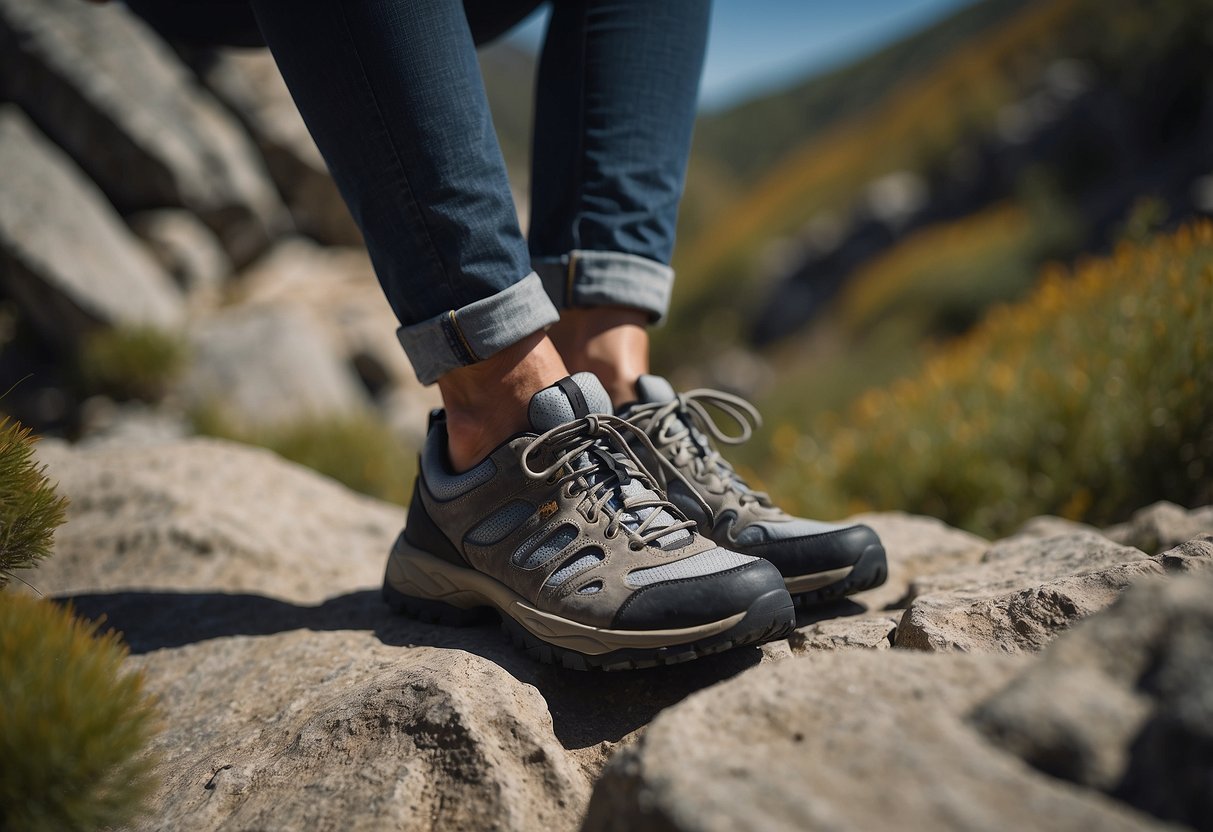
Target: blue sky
x: 759, y: 45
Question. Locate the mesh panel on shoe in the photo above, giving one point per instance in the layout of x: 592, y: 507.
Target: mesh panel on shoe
x: 582, y: 560
x: 442, y: 483
x: 705, y: 563
x: 542, y: 547
x: 500, y: 523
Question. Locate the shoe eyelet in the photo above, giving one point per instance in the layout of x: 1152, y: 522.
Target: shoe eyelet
x: 610, y: 534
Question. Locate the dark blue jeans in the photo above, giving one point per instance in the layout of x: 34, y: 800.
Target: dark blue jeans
x: 391, y: 91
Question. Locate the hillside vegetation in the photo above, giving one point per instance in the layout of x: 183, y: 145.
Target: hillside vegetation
x: 1087, y: 400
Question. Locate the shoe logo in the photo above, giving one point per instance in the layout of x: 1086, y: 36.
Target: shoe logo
x: 547, y: 510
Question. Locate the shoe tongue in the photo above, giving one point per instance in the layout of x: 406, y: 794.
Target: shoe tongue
x: 654, y: 390
x: 570, y: 398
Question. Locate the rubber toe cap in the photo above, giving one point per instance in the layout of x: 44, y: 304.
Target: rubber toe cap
x: 690, y: 602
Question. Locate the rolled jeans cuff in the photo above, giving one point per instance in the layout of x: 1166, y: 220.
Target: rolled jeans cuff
x: 459, y: 337
x: 607, y: 278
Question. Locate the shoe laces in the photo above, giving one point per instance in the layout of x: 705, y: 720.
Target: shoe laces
x: 593, y: 459
x: 685, y: 428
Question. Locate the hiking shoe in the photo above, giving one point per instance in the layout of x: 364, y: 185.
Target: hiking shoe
x: 563, y: 533
x: 819, y: 561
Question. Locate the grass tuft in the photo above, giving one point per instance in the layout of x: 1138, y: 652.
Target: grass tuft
x: 30, y: 511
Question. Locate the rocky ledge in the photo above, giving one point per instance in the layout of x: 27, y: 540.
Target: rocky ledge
x: 1059, y: 679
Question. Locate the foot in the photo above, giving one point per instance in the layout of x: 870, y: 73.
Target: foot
x: 561, y: 531
x: 819, y: 561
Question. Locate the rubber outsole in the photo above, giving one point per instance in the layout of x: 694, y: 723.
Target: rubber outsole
x: 768, y: 618
x: 870, y: 571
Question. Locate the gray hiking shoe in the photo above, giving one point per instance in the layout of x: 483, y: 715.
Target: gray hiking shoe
x: 819, y: 561
x: 563, y: 533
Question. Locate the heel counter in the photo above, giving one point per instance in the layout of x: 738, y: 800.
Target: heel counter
x: 421, y: 531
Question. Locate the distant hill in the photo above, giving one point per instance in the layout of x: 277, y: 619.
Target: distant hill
x: 1071, y: 112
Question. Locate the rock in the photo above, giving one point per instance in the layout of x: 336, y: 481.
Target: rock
x: 103, y: 86
x: 106, y: 422
x: 338, y: 290
x: 267, y: 366
x: 65, y: 256
x: 358, y: 734
x: 1024, y: 592
x: 1047, y: 526
x: 202, y: 513
x: 1162, y: 526
x: 845, y: 740
x: 187, y: 249
x: 1124, y: 701
x: 247, y: 589
x: 916, y: 546
x: 248, y: 81
x: 871, y: 632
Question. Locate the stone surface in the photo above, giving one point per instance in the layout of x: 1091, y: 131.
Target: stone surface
x: 874, y: 631
x: 337, y: 289
x: 187, y: 249
x: 249, y: 82
x: 267, y: 366
x: 1162, y: 526
x: 1124, y: 701
x: 247, y: 589
x: 114, y: 96
x: 916, y: 546
x: 64, y: 253
x: 838, y: 741
x: 202, y: 513
x: 1025, y: 591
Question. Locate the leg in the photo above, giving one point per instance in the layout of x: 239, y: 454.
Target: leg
x: 391, y: 92
x: 614, y: 109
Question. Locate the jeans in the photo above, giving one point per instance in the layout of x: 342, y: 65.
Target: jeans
x: 391, y: 92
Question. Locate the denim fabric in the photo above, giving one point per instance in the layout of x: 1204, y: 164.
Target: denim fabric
x: 607, y: 278
x: 391, y: 91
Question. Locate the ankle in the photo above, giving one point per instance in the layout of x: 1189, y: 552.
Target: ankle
x: 487, y: 402
x: 612, y: 342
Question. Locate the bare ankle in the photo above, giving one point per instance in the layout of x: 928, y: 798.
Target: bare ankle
x: 612, y: 342
x: 486, y: 402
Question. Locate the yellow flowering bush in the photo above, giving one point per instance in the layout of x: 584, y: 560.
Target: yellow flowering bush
x: 1092, y: 397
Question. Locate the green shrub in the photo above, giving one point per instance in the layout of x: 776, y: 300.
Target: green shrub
x: 29, y: 508
x: 130, y: 363
x: 358, y: 451
x: 74, y: 726
x: 1088, y: 400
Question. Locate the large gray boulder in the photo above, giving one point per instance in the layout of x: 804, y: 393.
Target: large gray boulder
x: 267, y: 366
x: 100, y: 83
x: 187, y: 249
x: 65, y: 255
x: 337, y: 289
x: 1026, y: 590
x: 844, y: 740
x: 249, y: 82
x: 1124, y: 701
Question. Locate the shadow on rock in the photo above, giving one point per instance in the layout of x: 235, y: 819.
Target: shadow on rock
x: 586, y: 708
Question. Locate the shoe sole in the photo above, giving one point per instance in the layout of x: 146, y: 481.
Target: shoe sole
x: 869, y: 571
x: 431, y: 589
